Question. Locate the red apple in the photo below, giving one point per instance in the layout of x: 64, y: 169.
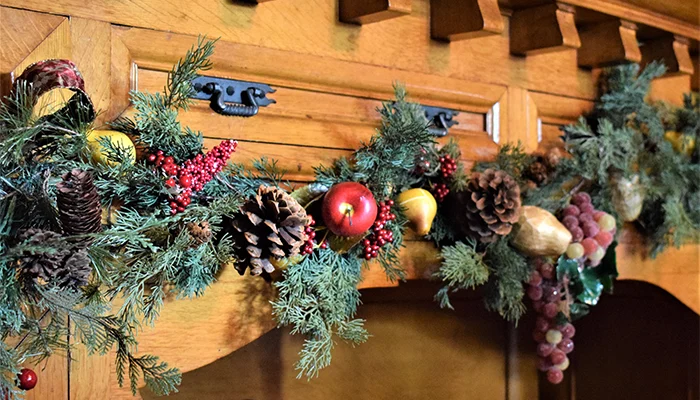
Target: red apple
x: 349, y: 209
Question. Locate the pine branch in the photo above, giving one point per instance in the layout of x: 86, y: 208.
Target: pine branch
x: 509, y: 270
x: 462, y: 268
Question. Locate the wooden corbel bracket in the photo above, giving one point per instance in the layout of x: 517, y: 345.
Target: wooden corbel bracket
x: 543, y: 29
x: 452, y: 20
x: 607, y: 43
x: 673, y: 50
x: 363, y: 12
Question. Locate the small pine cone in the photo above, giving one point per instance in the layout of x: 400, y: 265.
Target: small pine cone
x: 199, y: 231
x: 270, y: 225
x: 488, y: 207
x: 65, y: 266
x: 78, y: 203
x: 538, y: 173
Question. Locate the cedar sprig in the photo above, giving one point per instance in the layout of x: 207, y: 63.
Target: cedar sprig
x: 462, y: 268
x: 509, y: 270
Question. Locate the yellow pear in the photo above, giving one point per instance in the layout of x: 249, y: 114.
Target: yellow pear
x: 118, y: 140
x: 420, y: 208
x: 539, y: 233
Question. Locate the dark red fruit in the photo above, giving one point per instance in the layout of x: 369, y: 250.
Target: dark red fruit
x: 555, y: 376
x: 27, y: 379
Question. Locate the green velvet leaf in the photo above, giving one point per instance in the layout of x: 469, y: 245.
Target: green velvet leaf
x: 592, y: 287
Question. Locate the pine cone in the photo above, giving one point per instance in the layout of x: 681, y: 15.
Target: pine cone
x: 78, y: 204
x: 199, y: 231
x: 271, y: 225
x: 492, y: 202
x: 537, y: 172
x: 65, y: 266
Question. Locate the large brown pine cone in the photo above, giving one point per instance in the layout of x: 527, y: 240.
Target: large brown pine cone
x: 270, y: 225
x: 65, y: 266
x: 488, y: 207
x: 78, y: 204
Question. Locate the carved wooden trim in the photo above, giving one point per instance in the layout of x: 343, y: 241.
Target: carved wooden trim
x: 608, y: 43
x: 369, y: 11
x: 672, y: 50
x: 543, y: 29
x: 452, y: 20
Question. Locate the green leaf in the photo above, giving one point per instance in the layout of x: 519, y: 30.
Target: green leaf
x: 578, y: 310
x: 607, y: 270
x: 566, y: 266
x: 592, y: 287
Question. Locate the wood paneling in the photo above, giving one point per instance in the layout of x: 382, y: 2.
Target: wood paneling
x: 452, y: 20
x: 543, y: 29
x: 608, y: 43
x: 366, y: 12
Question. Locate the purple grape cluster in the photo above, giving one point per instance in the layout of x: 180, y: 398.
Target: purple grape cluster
x: 554, y: 341
x: 592, y: 231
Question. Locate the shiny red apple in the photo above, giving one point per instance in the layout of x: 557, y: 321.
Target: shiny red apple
x: 349, y: 209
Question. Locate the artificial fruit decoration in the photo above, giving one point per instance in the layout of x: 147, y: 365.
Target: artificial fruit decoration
x: 119, y: 140
x: 420, y: 208
x: 539, y: 233
x: 627, y: 196
x: 684, y: 144
x: 349, y: 209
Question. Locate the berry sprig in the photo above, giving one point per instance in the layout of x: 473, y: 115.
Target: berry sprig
x: 380, y: 236
x: 310, y: 244
x: 439, y: 191
x: 448, y: 166
x: 592, y: 231
x: 554, y: 340
x: 193, y: 174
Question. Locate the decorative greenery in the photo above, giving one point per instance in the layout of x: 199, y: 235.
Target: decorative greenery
x: 462, y: 268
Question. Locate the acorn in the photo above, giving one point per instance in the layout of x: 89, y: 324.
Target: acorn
x: 420, y: 208
x: 539, y: 233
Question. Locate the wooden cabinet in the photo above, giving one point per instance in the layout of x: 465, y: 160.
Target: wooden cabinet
x: 330, y: 77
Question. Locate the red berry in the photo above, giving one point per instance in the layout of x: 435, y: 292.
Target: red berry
x: 27, y: 379
x: 186, y: 181
x: 170, y: 182
x: 152, y: 158
x: 555, y: 376
x: 168, y: 160
x: 589, y: 246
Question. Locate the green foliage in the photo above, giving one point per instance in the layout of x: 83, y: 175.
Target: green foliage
x: 462, y: 268
x: 511, y: 158
x: 509, y: 270
x: 318, y: 298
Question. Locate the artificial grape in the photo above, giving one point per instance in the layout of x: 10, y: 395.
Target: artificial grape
x: 557, y: 356
x: 590, y: 229
x: 568, y: 330
x: 538, y: 336
x: 571, y: 210
x: 587, y: 208
x: 547, y: 270
x: 575, y: 250
x: 553, y: 336
x: 589, y: 246
x: 576, y: 234
x: 581, y: 198
x: 566, y: 345
x: 544, y: 349
x: 585, y: 217
x: 555, y: 376
x: 564, y: 365
x: 598, y: 214
x: 604, y: 239
x: 543, y: 364
x: 534, y: 293
x: 542, y: 324
x: 535, y: 279
x: 550, y: 310
x: 607, y: 223
x: 552, y: 294
x: 597, y: 255
x: 537, y: 305
x: 570, y: 222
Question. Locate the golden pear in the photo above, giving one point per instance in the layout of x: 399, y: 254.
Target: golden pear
x: 539, y: 233
x: 420, y: 208
x: 118, y: 139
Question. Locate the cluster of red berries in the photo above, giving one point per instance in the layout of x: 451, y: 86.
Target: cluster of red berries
x: 448, y: 166
x: 440, y: 191
x: 380, y: 236
x: 193, y: 174
x: 311, y: 238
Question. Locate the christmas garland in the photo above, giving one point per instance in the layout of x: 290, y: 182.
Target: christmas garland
x: 93, y: 218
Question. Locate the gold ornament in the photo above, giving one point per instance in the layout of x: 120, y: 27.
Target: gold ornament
x: 684, y: 144
x: 118, y: 140
x: 420, y: 208
x: 539, y: 233
x: 627, y: 196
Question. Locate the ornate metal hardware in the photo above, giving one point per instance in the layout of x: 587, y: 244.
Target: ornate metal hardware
x: 231, y: 97
x: 441, y: 119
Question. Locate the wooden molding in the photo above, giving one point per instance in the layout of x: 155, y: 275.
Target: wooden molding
x: 369, y: 11
x: 695, y: 79
x: 452, y: 20
x: 544, y: 29
x: 672, y: 50
x: 608, y: 43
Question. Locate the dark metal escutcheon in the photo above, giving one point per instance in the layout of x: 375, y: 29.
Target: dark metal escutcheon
x: 232, y: 97
x: 441, y: 119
